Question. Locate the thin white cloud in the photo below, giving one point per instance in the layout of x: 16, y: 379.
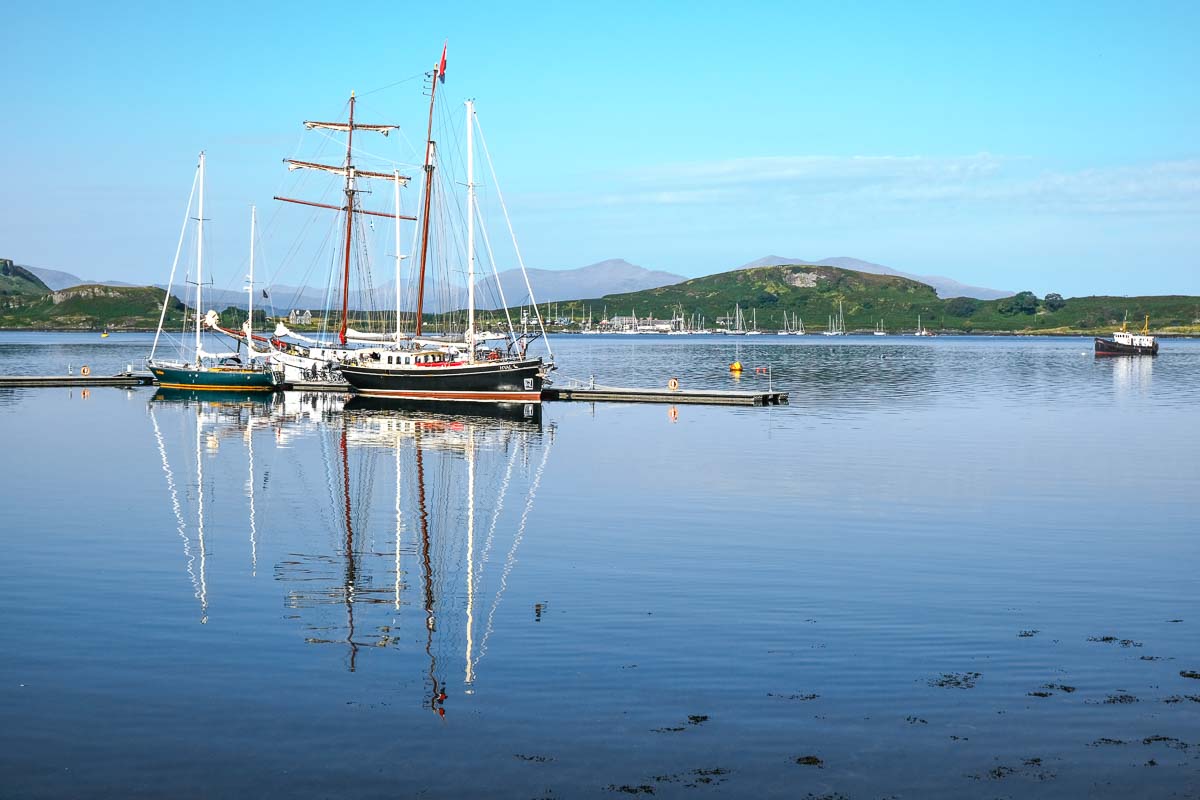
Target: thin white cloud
x: 882, y: 182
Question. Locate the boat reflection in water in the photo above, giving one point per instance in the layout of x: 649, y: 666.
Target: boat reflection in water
x: 388, y: 508
x: 219, y: 415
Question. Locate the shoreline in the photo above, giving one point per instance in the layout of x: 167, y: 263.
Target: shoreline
x: 1083, y: 334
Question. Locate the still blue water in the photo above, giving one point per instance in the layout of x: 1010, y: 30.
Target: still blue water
x: 958, y: 567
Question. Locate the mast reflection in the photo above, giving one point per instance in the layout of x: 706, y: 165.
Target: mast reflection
x: 218, y: 415
x: 455, y: 476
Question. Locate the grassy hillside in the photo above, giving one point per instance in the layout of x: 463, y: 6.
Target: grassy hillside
x: 90, y: 307
x: 814, y: 294
x: 19, y: 282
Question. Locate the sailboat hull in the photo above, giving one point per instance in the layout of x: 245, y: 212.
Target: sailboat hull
x: 222, y: 379
x: 503, y: 381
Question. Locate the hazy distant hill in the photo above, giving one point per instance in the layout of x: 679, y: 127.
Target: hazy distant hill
x: 614, y: 276
x: 945, y: 287
x: 57, y: 279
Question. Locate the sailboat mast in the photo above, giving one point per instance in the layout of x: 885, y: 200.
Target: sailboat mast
x: 250, y: 299
x: 349, y: 222
x: 470, y: 232
x: 399, y: 258
x: 200, y: 258
x: 438, y: 75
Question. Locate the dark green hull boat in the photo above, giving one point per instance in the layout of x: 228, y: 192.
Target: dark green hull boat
x: 224, y: 378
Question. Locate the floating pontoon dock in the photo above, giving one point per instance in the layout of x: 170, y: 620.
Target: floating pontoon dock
x: 83, y: 381
x: 618, y: 394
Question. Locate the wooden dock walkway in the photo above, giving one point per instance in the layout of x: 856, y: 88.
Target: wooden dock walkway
x: 619, y: 394
x: 120, y: 379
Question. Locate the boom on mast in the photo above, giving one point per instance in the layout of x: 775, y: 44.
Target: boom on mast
x: 350, y: 173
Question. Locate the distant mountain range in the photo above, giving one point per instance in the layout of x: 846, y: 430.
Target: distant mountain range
x: 613, y: 276
x: 57, y: 279
x: 945, y: 287
x: 610, y: 277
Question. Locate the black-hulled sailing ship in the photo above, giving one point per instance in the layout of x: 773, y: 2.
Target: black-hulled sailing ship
x: 1127, y: 343
x: 475, y: 366
x: 303, y: 359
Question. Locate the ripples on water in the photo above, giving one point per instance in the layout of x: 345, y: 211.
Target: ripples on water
x: 961, y: 567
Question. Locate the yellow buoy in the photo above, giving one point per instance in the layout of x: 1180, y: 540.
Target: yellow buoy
x: 735, y: 366
x: 673, y: 384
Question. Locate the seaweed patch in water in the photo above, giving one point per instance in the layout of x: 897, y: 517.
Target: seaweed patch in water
x: 1169, y: 741
x: 1179, y: 698
x: 1119, y: 699
x: 626, y: 789
x: 536, y: 758
x: 1114, y: 639
x: 695, y: 777
x: 1189, y: 673
x: 911, y: 720
x: 1028, y: 634
x: 1061, y: 687
x: 801, y: 697
x: 696, y: 719
x: 666, y: 730
x: 810, y: 761
x: 957, y: 680
x: 1040, y: 694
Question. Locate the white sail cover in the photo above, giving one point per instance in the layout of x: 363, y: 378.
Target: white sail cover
x: 293, y: 165
x: 359, y: 336
x: 345, y: 126
x: 282, y: 330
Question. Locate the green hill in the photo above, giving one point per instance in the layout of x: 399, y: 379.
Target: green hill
x: 90, y: 307
x: 18, y: 281
x: 813, y: 293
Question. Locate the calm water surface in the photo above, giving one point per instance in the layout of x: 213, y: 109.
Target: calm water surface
x: 958, y: 567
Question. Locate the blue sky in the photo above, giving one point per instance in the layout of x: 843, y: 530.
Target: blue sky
x: 1049, y: 146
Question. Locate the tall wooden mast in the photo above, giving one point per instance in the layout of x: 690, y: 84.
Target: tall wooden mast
x: 348, y: 171
x: 439, y: 75
x: 349, y: 222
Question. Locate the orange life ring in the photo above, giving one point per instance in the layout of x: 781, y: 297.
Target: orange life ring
x: 673, y: 384
x: 85, y: 370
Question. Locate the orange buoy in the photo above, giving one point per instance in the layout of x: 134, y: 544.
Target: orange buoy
x: 735, y: 366
x: 85, y: 370
x: 673, y: 384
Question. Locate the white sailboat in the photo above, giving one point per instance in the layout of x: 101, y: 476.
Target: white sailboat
x: 837, y: 324
x: 204, y: 369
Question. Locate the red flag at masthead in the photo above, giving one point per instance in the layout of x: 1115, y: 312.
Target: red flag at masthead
x: 441, y: 67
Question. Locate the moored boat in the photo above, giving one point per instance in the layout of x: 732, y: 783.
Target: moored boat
x: 461, y: 367
x: 225, y: 371
x: 1126, y: 343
